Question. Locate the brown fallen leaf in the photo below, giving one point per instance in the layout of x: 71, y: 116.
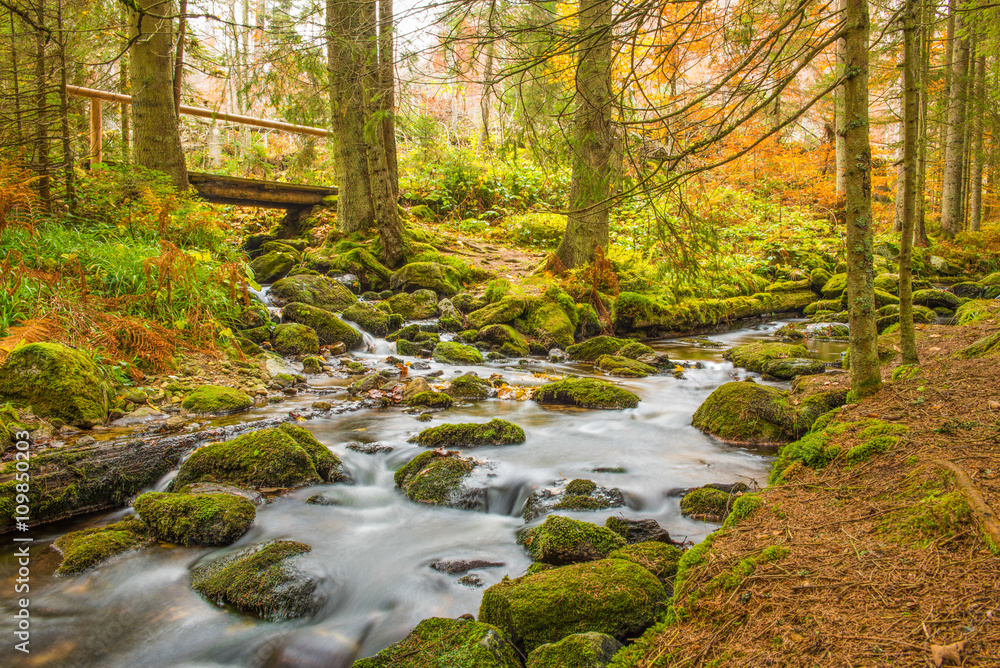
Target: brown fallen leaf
x: 950, y: 654
x: 994, y: 405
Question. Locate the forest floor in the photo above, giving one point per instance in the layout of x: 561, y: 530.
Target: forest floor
x: 886, y: 565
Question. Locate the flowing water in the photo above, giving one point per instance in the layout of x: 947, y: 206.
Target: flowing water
x: 375, y: 547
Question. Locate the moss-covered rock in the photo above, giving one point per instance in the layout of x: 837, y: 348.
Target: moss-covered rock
x: 85, y: 549
x: 504, y: 311
x: 580, y: 650
x: 440, y: 278
x: 418, y: 305
x: 987, y: 346
x: 781, y: 360
x: 494, y: 432
x: 610, y: 596
x: 373, y: 319
x: 562, y: 540
x: 618, y: 365
x: 319, y: 291
x: 786, y: 369
x: 467, y: 302
x: 295, y: 339
x: 586, y: 393
x: 832, y: 305
x: 936, y: 298
x: 635, y: 350
x: 263, y: 458
x: 658, y: 558
x: 834, y: 287
x: 591, y: 349
x: 553, y: 319
x: 264, y: 580
x: 818, y: 277
x: 272, y: 266
x: 453, y: 643
x: 748, y: 413
x: 196, y: 519
x: 469, y: 386
x: 450, y: 352
x: 56, y: 381
x: 280, y: 247
x: 371, y: 273
x: 968, y: 290
x: 327, y: 465
x: 706, y: 502
x: 888, y: 283
x: 312, y: 364
x: 431, y: 400
x: 328, y: 327
x: 505, y: 338
x: 439, y: 478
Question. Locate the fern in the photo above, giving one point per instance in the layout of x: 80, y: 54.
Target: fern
x: 31, y: 331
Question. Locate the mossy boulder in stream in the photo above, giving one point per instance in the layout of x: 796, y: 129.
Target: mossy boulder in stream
x: 494, y: 432
x: 505, y: 310
x: 469, y: 386
x: 781, y: 360
x: 707, y: 502
x: 295, y: 339
x: 440, y: 278
x: 586, y: 393
x: 553, y: 318
x: 431, y: 399
x: 56, y: 381
x: 263, y: 458
x: 658, y: 558
x: 618, y: 365
x: 196, y: 519
x: 272, y: 266
x: 936, y: 298
x: 580, y: 650
x: 450, y: 352
x: 439, y: 477
x: 610, y: 596
x: 319, y: 291
x: 747, y: 412
x: 562, y: 540
x: 373, y: 319
x: 504, y: 338
x: 85, y: 549
x: 327, y: 465
x: 265, y: 580
x: 417, y: 305
x: 591, y: 349
x: 328, y: 327
x: 447, y: 643
x: 634, y: 350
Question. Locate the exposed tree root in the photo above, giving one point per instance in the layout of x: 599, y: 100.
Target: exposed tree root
x: 987, y: 518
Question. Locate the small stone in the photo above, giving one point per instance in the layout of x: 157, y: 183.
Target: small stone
x: 471, y: 580
x: 86, y: 440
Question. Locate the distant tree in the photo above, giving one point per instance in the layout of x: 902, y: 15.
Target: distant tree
x: 911, y: 121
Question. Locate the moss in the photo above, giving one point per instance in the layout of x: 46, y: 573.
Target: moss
x: 440, y: 278
x: 888, y: 283
x: 746, y: 412
x: 56, y: 381
x: 812, y: 450
x: 312, y: 365
x: 562, y: 540
x: 585, y: 502
x: 496, y: 290
x: 454, y: 643
x: 216, y: 400
x: 818, y: 277
x: 634, y: 350
x: 706, y: 502
x: 414, y: 306
x: 580, y: 650
x: 327, y: 465
x: 743, y: 507
x: 579, y: 486
x: 467, y: 302
x: 295, y: 339
x: 834, y: 287
x: 504, y: 311
x: 832, y: 305
x: 585, y: 392
x: 317, y: 291
x: 505, y: 337
x: 610, y: 596
x: 431, y: 400
x: 732, y: 578
x: 83, y: 550
x: 272, y: 266
x: 591, y: 349
x: 658, y: 558
x: 977, y: 310
x: 787, y: 369
x: 871, y: 447
x: 905, y: 372
x: 196, y: 519
x: 936, y: 298
x: 372, y: 319
x: 984, y: 347
x: 449, y: 352
x: 934, y: 516
x: 434, y: 477
x: 260, y: 580
x: 264, y: 458
x: 760, y: 356
x: 469, y: 387
x: 617, y: 365
x: 553, y: 319
x: 494, y: 432
x: 358, y: 261
x: 329, y: 328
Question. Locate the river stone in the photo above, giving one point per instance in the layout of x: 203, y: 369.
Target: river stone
x: 416, y: 306
x: 794, y: 367
x: 562, y: 540
x: 266, y: 580
x: 450, y: 352
x: 586, y: 393
x: 580, y: 650
x: 470, y: 386
x: 591, y: 349
x: 441, y: 478
x: 459, y: 566
x: 253, y: 496
x: 319, y: 291
x: 494, y: 432
x: 505, y: 310
x: 216, y: 400
x: 372, y: 319
x: 87, y: 548
x: 943, y: 267
x: 330, y: 330
x: 140, y: 416
x: 762, y: 357
x: 196, y: 519
x: 638, y: 531
x: 295, y: 339
x: 56, y: 381
x: 834, y: 287
x: 619, y: 365
x: 746, y: 412
x: 416, y: 386
x: 327, y: 465
x: 272, y: 266
x: 504, y: 338
x: 610, y: 596
x: 658, y: 558
x: 451, y: 643
x: 431, y: 400
x: 440, y: 278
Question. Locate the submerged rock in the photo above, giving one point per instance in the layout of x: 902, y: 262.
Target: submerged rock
x: 85, y: 549
x: 562, y: 540
x: 216, y: 400
x: 330, y: 330
x: 494, y: 432
x: 196, y: 519
x: 459, y: 566
x: 318, y: 291
x: 586, y: 393
x: 265, y: 580
x: 369, y: 448
x: 580, y: 650
x: 457, y: 643
x: 440, y: 477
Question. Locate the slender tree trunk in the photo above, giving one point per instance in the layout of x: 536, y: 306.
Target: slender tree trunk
x: 124, y: 117
x: 926, y: 36
x: 593, y: 140
x: 157, y: 135
x: 484, y: 100
x: 976, y: 170
x: 951, y: 187
x: 69, y: 171
x: 387, y: 91
x: 838, y: 113
x: 865, y: 375
x: 42, y: 113
x: 911, y: 120
x: 15, y: 75
x: 897, y: 218
x: 179, y: 56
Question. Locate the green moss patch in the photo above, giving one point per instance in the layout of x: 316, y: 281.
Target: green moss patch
x: 617, y: 365
x: 414, y: 306
x: 317, y: 291
x: 327, y: 465
x: 591, y: 349
x: 562, y: 540
x: 494, y: 432
x: 744, y: 412
x: 83, y: 550
x: 436, y: 477
x: 196, y: 519
x: 706, y: 502
x: 328, y: 327
x: 586, y: 393
x: 431, y: 399
x: 372, y: 319
x: 987, y: 346
x: 470, y: 387
x: 440, y: 278
x: 580, y: 650
x: 658, y: 558
x: 505, y: 338
x: 781, y: 360
x: 452, y: 643
x: 272, y: 266
x: 450, y: 352
x: 216, y: 400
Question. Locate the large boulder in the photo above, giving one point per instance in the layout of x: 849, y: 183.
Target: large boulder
x: 750, y: 413
x: 328, y: 327
x: 619, y: 365
x: 56, y: 381
x: 658, y: 558
x: 292, y: 338
x: 319, y: 291
x: 586, y: 393
x: 451, y: 352
x: 372, y: 319
x: 591, y: 349
x: 553, y: 319
x: 562, y: 540
x: 440, y: 278
x: 417, y: 305
x: 936, y: 298
x: 469, y: 386
x: 87, y: 548
x: 834, y: 287
x: 440, y: 478
x: 781, y: 360
x: 196, y: 519
x: 266, y: 580
x: 327, y: 465
x: 503, y: 311
x: 494, y: 432
x: 272, y: 266
x: 216, y: 400
x: 505, y: 339
x: 610, y: 596
x: 440, y: 642
x: 580, y: 650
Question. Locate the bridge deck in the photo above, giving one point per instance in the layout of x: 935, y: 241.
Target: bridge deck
x: 251, y: 192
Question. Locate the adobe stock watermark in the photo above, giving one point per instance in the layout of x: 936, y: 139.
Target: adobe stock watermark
x: 22, y: 544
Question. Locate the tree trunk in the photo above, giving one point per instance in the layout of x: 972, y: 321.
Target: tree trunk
x: 865, y: 375
x: 976, y: 174
x: 926, y: 35
x: 157, y: 142
x: 179, y: 56
x: 951, y: 187
x: 838, y: 115
x: 387, y: 92
x: 69, y: 171
x: 593, y: 141
x: 484, y: 100
x: 41, y: 113
x: 911, y: 112
x: 15, y: 74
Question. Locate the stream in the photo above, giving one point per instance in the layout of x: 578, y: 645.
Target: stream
x: 376, y: 546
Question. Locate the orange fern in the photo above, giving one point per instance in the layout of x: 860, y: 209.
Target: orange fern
x: 30, y: 331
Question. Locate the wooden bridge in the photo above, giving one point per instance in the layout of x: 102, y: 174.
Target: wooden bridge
x: 216, y: 188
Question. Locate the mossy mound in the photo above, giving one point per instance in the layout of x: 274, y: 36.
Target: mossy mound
x: 660, y: 559
x: 706, y: 503
x: 586, y: 393
x: 373, y: 319
x: 591, y: 349
x: 580, y: 650
x: 450, y: 352
x: 431, y: 399
x: 504, y: 311
x: 888, y: 283
x: 372, y: 274
x: 467, y: 302
x: 196, y: 519
x: 440, y: 278
x: 831, y: 305
x: 470, y: 387
x: 216, y: 400
x: 56, y: 381
x: 505, y: 338
x: 834, y: 287
x: 329, y: 328
x: 327, y: 465
x: 263, y: 580
x: 263, y: 458
x: 768, y: 358
x: 414, y: 306
x: 494, y: 432
x: 295, y: 339
x: 936, y: 299
x: 610, y: 596
x: 312, y: 364
x: 272, y: 266
x: 787, y: 369
x: 818, y: 277
x: 635, y: 350
x: 618, y: 365
x: 984, y: 347
x: 438, y: 478
x: 319, y: 291
x: 454, y: 643
x: 553, y: 319
x: 562, y: 540
x: 973, y: 311
x: 83, y: 550
x: 748, y: 413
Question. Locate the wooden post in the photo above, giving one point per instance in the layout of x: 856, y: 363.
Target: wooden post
x: 96, y: 134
